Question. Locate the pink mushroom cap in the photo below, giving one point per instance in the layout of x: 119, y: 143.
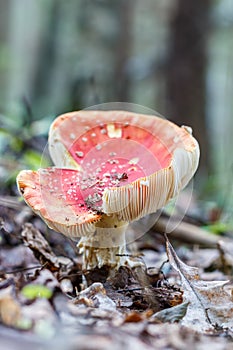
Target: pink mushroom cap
x: 109, y: 162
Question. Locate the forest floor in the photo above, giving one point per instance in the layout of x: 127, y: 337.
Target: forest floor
x: 180, y: 298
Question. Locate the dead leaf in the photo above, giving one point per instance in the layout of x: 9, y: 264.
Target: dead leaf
x: 40, y: 247
x: 16, y: 259
x: 225, y: 259
x: 135, y: 316
x: 171, y: 315
x: 40, y: 312
x: 156, y: 291
x: 210, y: 304
x: 95, y: 296
x: 10, y: 311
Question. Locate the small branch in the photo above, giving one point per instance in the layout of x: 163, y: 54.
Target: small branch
x: 186, y: 232
x: 12, y: 272
x: 129, y: 290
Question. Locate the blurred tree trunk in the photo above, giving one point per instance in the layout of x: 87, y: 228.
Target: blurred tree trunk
x: 25, y: 22
x: 4, y: 19
x: 185, y: 71
x: 54, y: 75
x: 122, y: 49
x: 47, y: 63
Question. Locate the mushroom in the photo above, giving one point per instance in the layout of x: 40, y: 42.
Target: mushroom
x: 112, y: 167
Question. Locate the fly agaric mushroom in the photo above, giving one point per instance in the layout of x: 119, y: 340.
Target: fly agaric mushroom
x: 112, y: 167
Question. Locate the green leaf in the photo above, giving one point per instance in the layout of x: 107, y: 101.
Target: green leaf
x: 33, y: 291
x: 219, y: 227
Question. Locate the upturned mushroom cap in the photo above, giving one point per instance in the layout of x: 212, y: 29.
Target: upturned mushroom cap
x: 116, y: 163
x: 137, y: 161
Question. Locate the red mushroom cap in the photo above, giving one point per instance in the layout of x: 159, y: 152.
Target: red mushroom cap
x: 135, y: 162
x: 110, y: 162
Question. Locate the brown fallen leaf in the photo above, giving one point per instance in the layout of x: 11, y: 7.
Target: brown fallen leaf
x: 210, y: 304
x: 156, y: 291
x: 225, y: 260
x: 135, y: 316
x: 10, y: 311
x: 40, y: 247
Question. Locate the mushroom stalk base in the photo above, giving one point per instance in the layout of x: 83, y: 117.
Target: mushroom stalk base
x: 98, y: 257
x: 106, y: 246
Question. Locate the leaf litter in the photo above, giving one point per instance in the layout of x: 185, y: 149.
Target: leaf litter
x: 210, y: 305
x: 140, y: 308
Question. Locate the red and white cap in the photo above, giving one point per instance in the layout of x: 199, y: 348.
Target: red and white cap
x: 109, y: 162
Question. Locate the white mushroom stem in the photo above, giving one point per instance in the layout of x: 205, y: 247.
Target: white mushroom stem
x: 106, y: 246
